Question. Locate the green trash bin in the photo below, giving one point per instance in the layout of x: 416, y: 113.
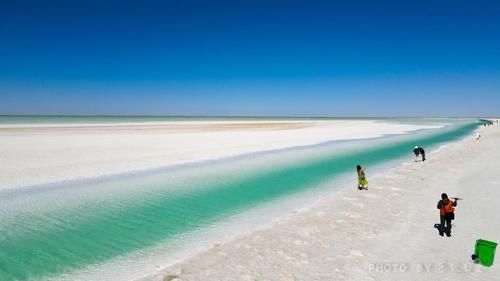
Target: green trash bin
x: 484, y: 252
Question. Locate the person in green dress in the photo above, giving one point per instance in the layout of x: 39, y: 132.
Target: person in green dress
x: 362, y: 181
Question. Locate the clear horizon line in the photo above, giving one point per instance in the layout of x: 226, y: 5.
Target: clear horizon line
x: 243, y: 116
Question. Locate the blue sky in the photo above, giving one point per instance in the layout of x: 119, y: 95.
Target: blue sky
x: 285, y: 58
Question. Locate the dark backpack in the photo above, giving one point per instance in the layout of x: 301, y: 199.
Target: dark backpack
x: 450, y: 216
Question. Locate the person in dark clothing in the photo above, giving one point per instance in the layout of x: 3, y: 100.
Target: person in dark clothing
x: 446, y: 214
x: 419, y: 151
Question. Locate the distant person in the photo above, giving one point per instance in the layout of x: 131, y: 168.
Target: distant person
x: 478, y: 136
x: 362, y: 181
x: 419, y: 151
x: 446, y: 214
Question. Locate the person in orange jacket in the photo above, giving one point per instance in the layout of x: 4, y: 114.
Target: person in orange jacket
x: 446, y: 214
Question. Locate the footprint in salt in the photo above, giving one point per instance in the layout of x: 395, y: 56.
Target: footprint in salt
x: 320, y: 213
x: 170, y: 277
x: 352, y: 215
x: 304, y: 261
x: 302, y: 210
x: 246, y: 276
x: 358, y: 205
x: 370, y: 235
x: 357, y: 253
x: 342, y: 258
x: 371, y: 196
x: 333, y: 225
x: 307, y: 231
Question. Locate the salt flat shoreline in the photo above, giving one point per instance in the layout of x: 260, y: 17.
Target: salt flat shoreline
x: 49, y: 153
x: 385, y: 233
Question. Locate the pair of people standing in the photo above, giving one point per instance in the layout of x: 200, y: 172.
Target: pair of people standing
x: 419, y: 151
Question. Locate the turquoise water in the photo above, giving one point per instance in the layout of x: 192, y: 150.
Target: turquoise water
x: 64, y: 228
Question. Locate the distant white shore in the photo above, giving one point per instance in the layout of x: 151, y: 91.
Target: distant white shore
x: 33, y: 154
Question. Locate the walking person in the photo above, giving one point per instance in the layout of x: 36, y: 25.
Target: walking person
x: 419, y: 151
x: 362, y: 181
x: 446, y: 214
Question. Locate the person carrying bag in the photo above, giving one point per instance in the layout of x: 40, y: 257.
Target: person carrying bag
x: 446, y: 214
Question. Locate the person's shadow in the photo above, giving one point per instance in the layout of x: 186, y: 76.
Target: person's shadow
x: 440, y: 228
